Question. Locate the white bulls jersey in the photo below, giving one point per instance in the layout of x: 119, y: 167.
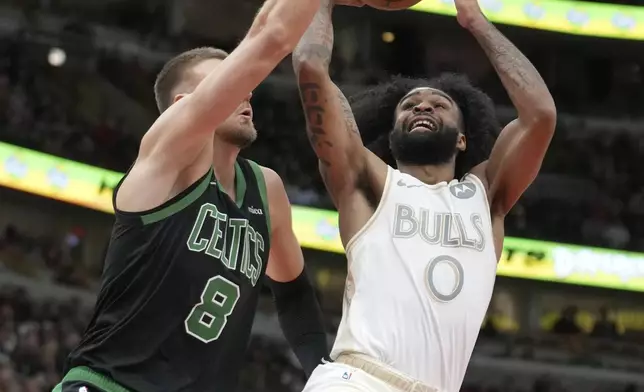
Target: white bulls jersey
x: 421, y: 275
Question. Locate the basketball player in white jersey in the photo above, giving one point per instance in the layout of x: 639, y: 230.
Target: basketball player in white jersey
x: 423, y: 240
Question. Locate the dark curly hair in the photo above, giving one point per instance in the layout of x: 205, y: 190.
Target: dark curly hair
x: 374, y: 111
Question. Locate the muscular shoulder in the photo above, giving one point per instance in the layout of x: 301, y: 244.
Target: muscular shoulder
x: 273, y: 180
x: 279, y: 205
x: 480, y: 171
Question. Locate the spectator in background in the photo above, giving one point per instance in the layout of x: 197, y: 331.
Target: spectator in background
x: 8, y: 379
x: 604, y: 327
x: 542, y: 384
x: 489, y: 329
x: 567, y: 322
x: 631, y: 388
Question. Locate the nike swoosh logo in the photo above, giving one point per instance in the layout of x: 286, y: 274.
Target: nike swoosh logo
x: 401, y: 183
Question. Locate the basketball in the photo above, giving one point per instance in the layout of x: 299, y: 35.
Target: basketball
x: 391, y: 5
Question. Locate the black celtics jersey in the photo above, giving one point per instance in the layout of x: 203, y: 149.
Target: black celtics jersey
x: 180, y: 289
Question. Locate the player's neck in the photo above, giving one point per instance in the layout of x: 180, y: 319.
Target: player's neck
x: 429, y: 174
x: 223, y: 163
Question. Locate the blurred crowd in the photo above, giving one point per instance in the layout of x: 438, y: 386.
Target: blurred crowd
x: 34, y: 340
x: 47, y: 258
x: 49, y: 109
x: 602, y: 203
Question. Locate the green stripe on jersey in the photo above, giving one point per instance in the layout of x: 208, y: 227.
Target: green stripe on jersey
x: 85, y: 374
x: 240, y: 185
x: 179, y: 204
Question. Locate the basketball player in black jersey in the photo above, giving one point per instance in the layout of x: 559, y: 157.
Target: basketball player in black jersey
x: 197, y: 227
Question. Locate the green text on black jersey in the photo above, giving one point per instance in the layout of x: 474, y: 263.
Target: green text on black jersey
x: 180, y: 289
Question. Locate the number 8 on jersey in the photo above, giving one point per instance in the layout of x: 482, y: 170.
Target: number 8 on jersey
x: 208, y: 318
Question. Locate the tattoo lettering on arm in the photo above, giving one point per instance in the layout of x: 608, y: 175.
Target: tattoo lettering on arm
x: 520, y: 78
x: 326, y: 109
x: 518, y: 152
x: 314, y: 112
x: 316, y: 47
x: 348, y: 114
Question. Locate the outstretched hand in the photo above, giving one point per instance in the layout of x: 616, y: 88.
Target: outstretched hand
x: 467, y: 12
x: 351, y: 3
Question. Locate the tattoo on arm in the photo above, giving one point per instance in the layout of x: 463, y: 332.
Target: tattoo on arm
x: 317, y: 42
x: 317, y: 46
x: 314, y: 112
x: 520, y: 78
x: 349, y: 120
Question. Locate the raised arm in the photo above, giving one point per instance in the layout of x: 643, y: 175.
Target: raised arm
x: 183, y: 133
x: 519, y: 151
x: 296, y: 303
x: 346, y: 166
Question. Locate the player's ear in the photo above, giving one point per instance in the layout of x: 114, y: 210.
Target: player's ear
x: 461, y: 144
x: 178, y: 97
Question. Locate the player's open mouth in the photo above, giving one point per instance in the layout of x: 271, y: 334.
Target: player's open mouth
x: 423, y: 124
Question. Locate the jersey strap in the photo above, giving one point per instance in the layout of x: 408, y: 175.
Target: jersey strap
x: 170, y: 207
x: 240, y: 185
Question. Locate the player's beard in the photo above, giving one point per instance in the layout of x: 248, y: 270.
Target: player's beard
x: 242, y: 136
x: 424, y: 147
